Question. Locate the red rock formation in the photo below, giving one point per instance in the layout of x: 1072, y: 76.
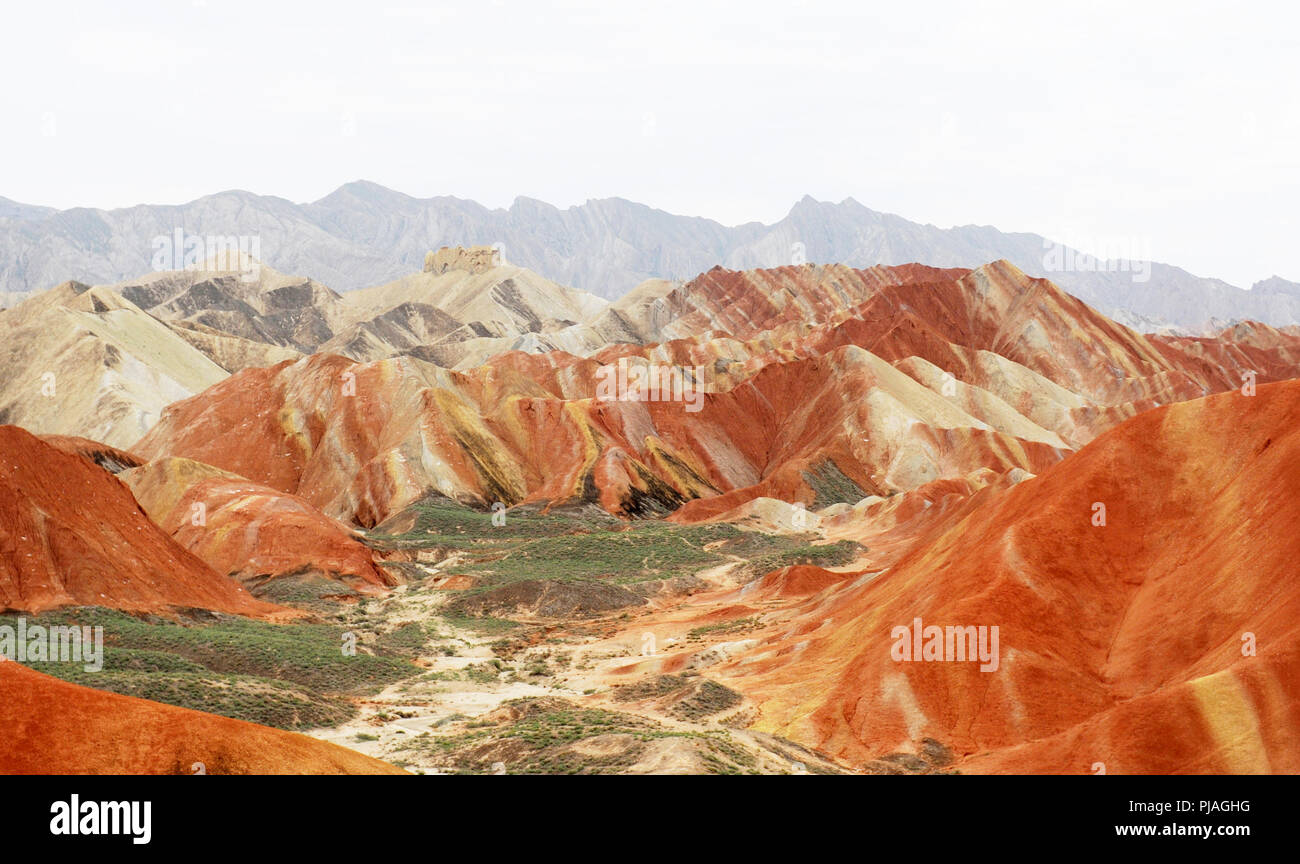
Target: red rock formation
x: 246, y: 530
x: 749, y: 302
x: 53, y: 727
x: 71, y: 534
x: 1248, y: 346
x: 1120, y: 643
x: 494, y: 436
x: 865, y: 383
x: 797, y: 580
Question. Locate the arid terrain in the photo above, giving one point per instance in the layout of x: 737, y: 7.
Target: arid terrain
x: 810, y: 519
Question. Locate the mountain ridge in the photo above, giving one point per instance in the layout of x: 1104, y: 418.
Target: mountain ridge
x: 363, y: 234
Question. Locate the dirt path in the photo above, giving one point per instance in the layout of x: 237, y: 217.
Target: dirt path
x: 470, y: 680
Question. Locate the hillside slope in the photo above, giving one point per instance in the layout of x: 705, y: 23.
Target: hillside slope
x: 1123, y: 643
x: 86, y: 362
x: 72, y: 534
x: 836, y: 385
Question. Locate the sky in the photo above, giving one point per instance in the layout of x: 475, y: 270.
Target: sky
x: 1173, y: 128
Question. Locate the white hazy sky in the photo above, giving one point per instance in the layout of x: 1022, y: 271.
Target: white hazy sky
x: 1174, y: 125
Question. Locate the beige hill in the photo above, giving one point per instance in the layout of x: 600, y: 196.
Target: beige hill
x: 254, y: 302
x: 463, y: 307
x: 642, y: 314
x: 85, y: 361
x: 231, y: 353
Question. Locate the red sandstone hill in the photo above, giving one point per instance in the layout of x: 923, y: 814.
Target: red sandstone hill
x: 745, y: 303
x: 942, y: 315
x: 846, y: 420
x: 963, y: 323
x: 72, y: 534
x: 1271, y: 352
x: 246, y: 530
x: 906, y: 376
x: 1119, y: 643
x: 53, y: 727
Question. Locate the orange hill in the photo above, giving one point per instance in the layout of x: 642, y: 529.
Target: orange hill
x: 72, y: 534
x: 1119, y: 643
x: 247, y: 530
x: 53, y: 727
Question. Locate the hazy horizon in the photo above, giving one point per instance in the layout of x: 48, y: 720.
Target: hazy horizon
x: 1135, y: 124
x: 1083, y: 246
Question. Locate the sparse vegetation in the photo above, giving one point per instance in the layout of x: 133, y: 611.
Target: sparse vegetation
x: 570, y: 564
x: 586, y: 544
x: 292, y: 676
x: 552, y: 736
x: 736, y: 625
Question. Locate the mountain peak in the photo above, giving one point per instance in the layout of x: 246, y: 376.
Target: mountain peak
x: 364, y: 234
x: 806, y: 204
x: 1277, y: 285
x: 365, y: 190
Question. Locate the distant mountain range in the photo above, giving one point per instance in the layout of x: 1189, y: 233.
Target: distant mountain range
x: 364, y: 234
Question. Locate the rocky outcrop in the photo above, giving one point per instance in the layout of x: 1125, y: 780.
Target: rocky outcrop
x: 465, y: 306
x: 474, y: 259
x: 840, y: 385
x: 256, y: 305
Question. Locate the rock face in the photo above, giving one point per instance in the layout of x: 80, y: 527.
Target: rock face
x: 256, y: 305
x: 246, y: 530
x: 746, y: 303
x: 475, y: 259
x: 363, y: 234
x: 72, y: 535
x: 101, y: 362
x: 956, y: 320
x: 1159, y: 635
x: 817, y: 386
x: 85, y: 362
x: 59, y: 728
x: 92, y: 362
x: 1247, y: 346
